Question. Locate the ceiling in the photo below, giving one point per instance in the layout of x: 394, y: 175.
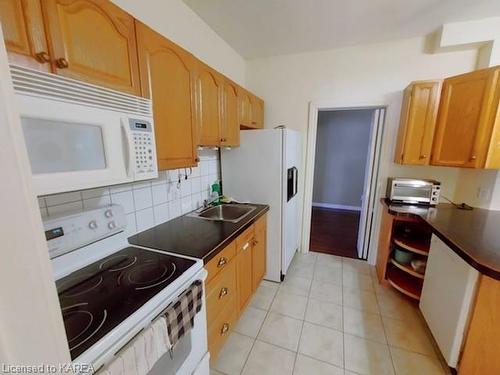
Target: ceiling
x: 259, y: 28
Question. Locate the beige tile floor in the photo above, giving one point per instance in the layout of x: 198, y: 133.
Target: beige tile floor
x: 330, y: 316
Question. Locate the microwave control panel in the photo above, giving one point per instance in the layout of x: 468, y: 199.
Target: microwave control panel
x: 144, y: 146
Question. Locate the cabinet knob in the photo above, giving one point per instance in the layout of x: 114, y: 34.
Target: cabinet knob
x: 422, y: 157
x: 224, y: 329
x: 222, y: 262
x: 473, y: 157
x: 62, y: 63
x: 42, y: 57
x: 246, y: 246
x: 223, y: 292
x: 197, y: 160
x: 223, y: 140
x: 255, y: 242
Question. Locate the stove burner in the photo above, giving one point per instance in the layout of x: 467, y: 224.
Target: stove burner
x: 151, y: 274
x: 78, y: 324
x: 118, y: 263
x: 79, y: 285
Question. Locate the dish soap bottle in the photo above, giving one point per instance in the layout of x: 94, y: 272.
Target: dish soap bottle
x: 216, y: 193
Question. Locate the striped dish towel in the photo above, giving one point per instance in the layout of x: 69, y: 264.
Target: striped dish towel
x: 180, y: 314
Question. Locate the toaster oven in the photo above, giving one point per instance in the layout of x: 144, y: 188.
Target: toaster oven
x: 413, y: 191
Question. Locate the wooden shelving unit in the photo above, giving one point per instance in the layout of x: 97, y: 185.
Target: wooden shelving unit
x: 404, y: 282
x: 406, y: 233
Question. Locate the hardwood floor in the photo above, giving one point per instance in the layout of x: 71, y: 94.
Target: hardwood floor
x: 334, y: 232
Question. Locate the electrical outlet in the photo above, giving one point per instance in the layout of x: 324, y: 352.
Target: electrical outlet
x: 483, y: 194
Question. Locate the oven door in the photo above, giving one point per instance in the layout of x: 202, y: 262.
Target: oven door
x: 74, y: 147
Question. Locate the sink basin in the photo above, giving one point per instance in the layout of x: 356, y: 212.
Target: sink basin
x: 225, y: 212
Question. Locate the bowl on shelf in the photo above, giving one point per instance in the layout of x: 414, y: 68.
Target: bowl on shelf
x: 402, y: 257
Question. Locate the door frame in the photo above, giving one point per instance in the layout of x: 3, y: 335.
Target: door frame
x: 310, y: 156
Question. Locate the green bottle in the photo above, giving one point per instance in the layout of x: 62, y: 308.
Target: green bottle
x: 216, y: 193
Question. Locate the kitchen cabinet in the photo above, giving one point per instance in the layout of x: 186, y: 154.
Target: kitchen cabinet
x: 480, y: 353
x: 93, y: 41
x: 233, y: 276
x: 230, y: 131
x: 250, y: 110
x: 418, y: 122
x: 24, y: 33
x: 257, y: 120
x: 244, y: 245
x: 209, y: 114
x: 259, y: 252
x: 467, y: 133
x: 167, y: 77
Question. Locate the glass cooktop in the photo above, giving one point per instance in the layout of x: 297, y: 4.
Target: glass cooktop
x: 98, y: 297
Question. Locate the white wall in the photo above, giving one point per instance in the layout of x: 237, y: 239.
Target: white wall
x: 176, y: 21
x: 343, y: 139
x: 364, y: 75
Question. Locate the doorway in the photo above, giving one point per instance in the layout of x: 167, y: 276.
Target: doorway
x: 343, y: 174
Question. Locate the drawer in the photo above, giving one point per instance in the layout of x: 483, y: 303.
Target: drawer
x: 220, y: 261
x: 261, y: 224
x: 220, y: 328
x: 221, y: 290
x: 245, y: 239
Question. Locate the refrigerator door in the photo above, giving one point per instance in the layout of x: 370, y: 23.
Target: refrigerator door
x: 254, y: 173
x: 292, y: 154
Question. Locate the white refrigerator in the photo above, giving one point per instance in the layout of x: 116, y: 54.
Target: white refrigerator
x: 264, y: 169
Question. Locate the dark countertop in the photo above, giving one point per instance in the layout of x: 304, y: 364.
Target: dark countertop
x: 195, y: 237
x: 474, y: 235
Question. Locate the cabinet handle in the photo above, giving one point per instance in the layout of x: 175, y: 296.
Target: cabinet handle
x: 222, y: 262
x: 224, y: 329
x: 473, y: 157
x: 255, y: 242
x: 197, y: 160
x: 246, y: 246
x: 422, y: 156
x: 42, y: 57
x: 62, y: 63
x: 223, y: 292
x: 223, y: 140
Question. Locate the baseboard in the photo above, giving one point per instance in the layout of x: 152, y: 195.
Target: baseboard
x: 336, y: 206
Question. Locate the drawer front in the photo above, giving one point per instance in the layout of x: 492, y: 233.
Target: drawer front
x: 220, y: 328
x: 221, y: 291
x: 220, y: 261
x: 244, y: 241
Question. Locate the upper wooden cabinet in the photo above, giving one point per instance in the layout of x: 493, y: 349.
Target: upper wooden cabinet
x: 465, y: 134
x: 209, y: 114
x: 24, y: 33
x: 93, y: 41
x: 167, y: 77
x: 418, y: 122
x: 257, y: 120
x: 230, y: 130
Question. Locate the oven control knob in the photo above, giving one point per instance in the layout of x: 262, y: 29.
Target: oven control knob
x: 111, y: 225
x: 93, y: 224
x: 108, y: 213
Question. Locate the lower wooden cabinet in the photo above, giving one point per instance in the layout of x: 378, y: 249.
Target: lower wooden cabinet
x: 233, y: 276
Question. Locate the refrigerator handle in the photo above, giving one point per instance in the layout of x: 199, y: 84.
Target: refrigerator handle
x: 295, y: 181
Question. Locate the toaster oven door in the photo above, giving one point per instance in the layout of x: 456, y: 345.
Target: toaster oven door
x: 410, y: 193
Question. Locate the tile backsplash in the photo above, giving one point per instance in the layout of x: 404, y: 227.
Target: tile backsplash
x: 146, y: 203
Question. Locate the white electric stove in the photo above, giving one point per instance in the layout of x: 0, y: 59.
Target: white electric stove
x: 109, y: 291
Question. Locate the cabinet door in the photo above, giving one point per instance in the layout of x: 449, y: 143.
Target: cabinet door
x: 209, y: 87
x: 418, y: 122
x: 24, y: 33
x: 244, y: 267
x: 230, y: 132
x: 244, y: 108
x: 167, y: 78
x: 257, y: 120
x: 464, y: 120
x: 93, y: 41
x: 259, y: 253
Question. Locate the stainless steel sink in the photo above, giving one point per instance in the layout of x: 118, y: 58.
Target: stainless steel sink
x: 225, y: 212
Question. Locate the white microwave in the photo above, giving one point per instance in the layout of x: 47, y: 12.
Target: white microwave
x: 81, y: 136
